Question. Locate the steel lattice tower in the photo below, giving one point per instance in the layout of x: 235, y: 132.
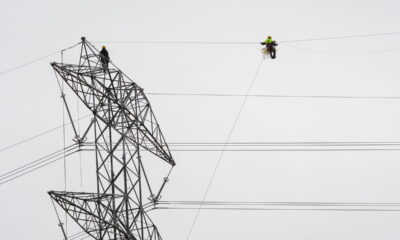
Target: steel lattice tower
x: 123, y: 126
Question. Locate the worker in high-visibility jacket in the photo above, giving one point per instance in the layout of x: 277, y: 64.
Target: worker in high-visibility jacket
x: 269, y: 40
x: 270, y: 45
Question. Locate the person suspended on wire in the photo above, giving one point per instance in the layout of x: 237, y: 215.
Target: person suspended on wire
x: 104, y: 58
x: 270, y: 46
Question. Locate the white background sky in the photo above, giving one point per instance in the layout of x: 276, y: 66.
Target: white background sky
x: 30, y: 104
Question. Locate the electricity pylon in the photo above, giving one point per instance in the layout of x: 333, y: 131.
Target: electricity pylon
x: 123, y: 125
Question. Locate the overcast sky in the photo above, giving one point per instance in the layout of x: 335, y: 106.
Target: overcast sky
x: 30, y: 103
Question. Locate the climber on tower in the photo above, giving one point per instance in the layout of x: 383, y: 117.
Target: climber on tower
x: 104, y: 58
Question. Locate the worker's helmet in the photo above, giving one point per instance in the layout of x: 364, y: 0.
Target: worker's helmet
x: 103, y: 46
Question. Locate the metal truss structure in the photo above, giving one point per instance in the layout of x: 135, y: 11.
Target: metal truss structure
x: 123, y: 125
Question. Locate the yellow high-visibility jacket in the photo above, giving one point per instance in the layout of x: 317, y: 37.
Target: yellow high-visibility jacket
x: 268, y: 40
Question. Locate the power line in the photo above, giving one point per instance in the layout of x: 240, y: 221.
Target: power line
x: 201, y: 95
x: 252, y: 144
x: 179, y: 42
x: 342, y: 37
x: 288, y: 150
x: 250, y: 42
x: 53, y: 155
x: 280, y: 144
x: 263, y: 203
x: 36, y: 164
x: 278, y: 150
x: 204, y: 143
x: 280, y: 206
x: 205, y: 42
x: 58, y: 155
x: 269, y: 95
x: 30, y: 62
x: 222, y: 152
x: 284, y: 209
x: 32, y: 170
x: 38, y: 161
x: 343, y: 53
x: 36, y: 60
x: 281, y: 147
x: 40, y: 134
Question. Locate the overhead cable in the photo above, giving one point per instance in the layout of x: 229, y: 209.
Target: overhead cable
x: 282, y: 143
x: 38, y: 161
x: 284, y: 209
x: 207, y: 43
x: 244, y: 101
x: 281, y: 206
x: 264, y: 203
x: 288, y: 150
x: 250, y: 42
x: 53, y: 157
x: 343, y: 53
x: 272, y: 147
x: 37, y: 59
x: 37, y: 164
x: 40, y: 134
x: 342, y: 37
x: 177, y: 42
x: 270, y: 95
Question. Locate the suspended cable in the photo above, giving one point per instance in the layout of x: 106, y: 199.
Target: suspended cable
x: 38, y: 161
x: 342, y: 53
x: 36, y: 60
x: 273, y: 147
x: 268, y: 95
x: 30, y: 62
x: 222, y: 152
x: 263, y: 203
x: 33, y: 167
x: 281, y: 206
x: 40, y: 134
x: 249, y: 42
x: 342, y: 37
x: 207, y: 43
x: 178, y: 42
x: 202, y: 143
x: 251, y: 143
x: 44, y: 161
x: 284, y: 209
x: 287, y: 150
x: 76, y: 120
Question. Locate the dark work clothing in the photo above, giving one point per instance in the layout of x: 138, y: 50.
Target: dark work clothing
x: 104, y: 58
x: 270, y: 46
x: 271, y: 49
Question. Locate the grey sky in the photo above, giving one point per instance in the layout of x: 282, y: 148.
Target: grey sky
x: 30, y: 103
